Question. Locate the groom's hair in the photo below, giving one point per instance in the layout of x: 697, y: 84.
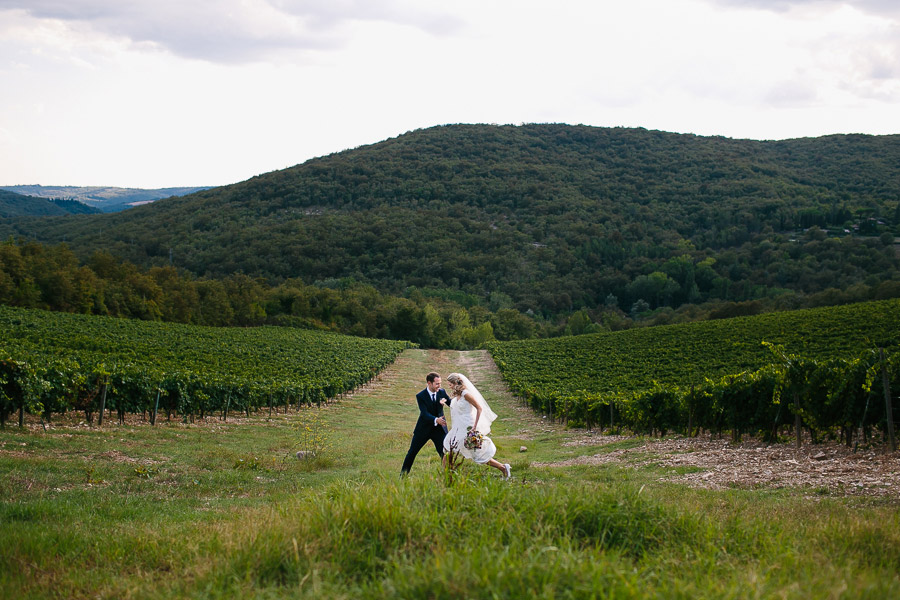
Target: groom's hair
x: 432, y: 376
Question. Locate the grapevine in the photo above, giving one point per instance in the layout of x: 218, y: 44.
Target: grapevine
x: 54, y: 362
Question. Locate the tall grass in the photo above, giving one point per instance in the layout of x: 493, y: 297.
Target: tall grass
x: 576, y: 533
x: 486, y: 538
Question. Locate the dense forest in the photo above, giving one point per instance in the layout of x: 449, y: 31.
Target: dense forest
x: 34, y: 275
x: 577, y: 227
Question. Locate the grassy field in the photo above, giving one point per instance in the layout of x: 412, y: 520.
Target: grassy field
x: 225, y: 510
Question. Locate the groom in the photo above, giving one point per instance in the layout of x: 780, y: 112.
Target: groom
x: 431, y: 424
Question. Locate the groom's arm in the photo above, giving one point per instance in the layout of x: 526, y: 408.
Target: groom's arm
x: 423, y: 401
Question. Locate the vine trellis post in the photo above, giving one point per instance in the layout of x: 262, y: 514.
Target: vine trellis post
x: 155, y: 407
x: 889, y: 413
x: 690, y: 428
x: 102, y: 405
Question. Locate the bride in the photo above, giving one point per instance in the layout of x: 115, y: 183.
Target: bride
x: 469, y: 410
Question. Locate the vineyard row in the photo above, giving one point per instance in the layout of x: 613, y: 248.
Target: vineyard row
x: 62, y: 386
x: 52, y: 363
x: 843, y: 398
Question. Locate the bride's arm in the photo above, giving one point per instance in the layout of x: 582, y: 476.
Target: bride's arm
x: 477, y: 410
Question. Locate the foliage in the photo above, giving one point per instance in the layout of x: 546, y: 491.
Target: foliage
x: 718, y: 375
x: 51, y: 277
x: 312, y: 440
x: 53, y: 362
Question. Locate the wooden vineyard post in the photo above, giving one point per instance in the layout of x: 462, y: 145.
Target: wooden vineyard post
x: 155, y: 408
x: 886, y: 381
x: 690, y: 430
x: 102, y: 405
x: 797, y: 419
x: 22, y: 415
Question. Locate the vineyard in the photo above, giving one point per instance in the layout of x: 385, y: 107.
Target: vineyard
x: 827, y: 370
x: 54, y: 362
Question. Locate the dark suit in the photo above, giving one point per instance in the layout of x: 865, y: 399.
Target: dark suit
x: 425, y: 429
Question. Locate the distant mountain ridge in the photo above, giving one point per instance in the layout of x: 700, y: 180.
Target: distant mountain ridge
x: 543, y: 218
x: 104, y: 198
x: 17, y: 205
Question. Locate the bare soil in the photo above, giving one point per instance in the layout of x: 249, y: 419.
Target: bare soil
x: 714, y: 463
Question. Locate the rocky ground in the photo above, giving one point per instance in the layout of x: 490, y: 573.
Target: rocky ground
x: 710, y: 462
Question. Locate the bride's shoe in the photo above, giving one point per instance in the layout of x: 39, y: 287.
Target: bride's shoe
x: 508, y: 470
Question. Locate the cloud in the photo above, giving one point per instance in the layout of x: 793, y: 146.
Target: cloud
x: 883, y: 8
x: 791, y: 94
x: 852, y: 49
x: 233, y: 31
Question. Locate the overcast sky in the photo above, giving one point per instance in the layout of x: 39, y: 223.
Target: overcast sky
x: 162, y: 93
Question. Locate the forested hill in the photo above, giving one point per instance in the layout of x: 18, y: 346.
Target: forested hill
x: 544, y: 217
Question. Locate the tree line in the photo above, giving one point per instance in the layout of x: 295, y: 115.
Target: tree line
x: 34, y: 275
x: 52, y: 277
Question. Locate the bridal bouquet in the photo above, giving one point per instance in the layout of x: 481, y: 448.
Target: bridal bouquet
x: 474, y: 439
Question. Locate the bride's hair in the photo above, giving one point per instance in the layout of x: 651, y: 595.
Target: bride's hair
x: 459, y: 383
x: 456, y: 382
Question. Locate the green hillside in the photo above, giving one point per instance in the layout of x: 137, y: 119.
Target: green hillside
x: 547, y: 218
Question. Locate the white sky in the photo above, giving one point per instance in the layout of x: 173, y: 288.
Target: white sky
x: 162, y: 93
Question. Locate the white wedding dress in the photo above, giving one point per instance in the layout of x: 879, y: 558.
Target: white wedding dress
x: 462, y: 416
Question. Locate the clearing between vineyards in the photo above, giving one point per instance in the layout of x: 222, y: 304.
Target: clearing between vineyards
x: 370, y: 429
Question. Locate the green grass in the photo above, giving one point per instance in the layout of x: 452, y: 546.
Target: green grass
x: 224, y: 510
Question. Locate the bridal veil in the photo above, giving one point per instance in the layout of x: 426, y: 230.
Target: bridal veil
x: 487, y: 415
